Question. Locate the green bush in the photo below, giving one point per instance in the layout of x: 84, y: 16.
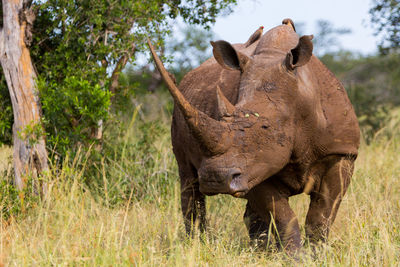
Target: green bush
x: 72, y: 108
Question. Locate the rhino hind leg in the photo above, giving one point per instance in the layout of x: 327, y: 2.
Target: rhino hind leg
x: 326, y: 198
x: 192, y: 200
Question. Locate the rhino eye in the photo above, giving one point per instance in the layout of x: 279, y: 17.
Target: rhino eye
x: 265, y: 127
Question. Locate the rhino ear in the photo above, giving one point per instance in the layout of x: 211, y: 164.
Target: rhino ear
x: 301, y: 54
x: 228, y: 57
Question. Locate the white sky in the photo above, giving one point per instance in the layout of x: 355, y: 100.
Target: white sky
x: 248, y: 15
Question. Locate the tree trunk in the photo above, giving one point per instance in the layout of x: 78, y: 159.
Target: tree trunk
x: 30, y: 155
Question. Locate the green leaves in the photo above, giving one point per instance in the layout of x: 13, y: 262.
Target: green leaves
x: 78, y: 46
x: 385, y: 18
x: 72, y: 107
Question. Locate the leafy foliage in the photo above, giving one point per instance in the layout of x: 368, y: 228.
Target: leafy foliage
x: 80, y: 48
x: 385, y: 17
x: 73, y: 107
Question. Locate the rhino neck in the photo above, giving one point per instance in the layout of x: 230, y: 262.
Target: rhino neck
x: 310, y: 116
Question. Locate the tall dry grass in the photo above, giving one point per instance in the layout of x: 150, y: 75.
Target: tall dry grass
x: 76, y: 225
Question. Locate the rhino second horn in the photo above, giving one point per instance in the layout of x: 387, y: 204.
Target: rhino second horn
x: 225, y: 108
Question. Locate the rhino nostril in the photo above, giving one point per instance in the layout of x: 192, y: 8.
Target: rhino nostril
x: 236, y: 175
x: 238, y: 186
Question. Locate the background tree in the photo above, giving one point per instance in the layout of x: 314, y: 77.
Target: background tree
x: 326, y: 37
x: 385, y: 18
x: 80, y: 48
x: 30, y: 155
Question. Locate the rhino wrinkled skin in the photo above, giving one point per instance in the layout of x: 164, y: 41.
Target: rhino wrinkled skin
x: 265, y: 122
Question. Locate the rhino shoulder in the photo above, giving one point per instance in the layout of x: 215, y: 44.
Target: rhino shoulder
x: 341, y: 134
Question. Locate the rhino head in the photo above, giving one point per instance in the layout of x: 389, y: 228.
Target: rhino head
x: 253, y: 139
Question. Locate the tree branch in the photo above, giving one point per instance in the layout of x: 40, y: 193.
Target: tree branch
x: 118, y: 68
x: 27, y: 16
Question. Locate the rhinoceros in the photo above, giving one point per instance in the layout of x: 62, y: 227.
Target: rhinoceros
x: 264, y: 122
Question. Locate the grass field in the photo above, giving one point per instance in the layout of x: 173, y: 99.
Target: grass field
x: 132, y: 217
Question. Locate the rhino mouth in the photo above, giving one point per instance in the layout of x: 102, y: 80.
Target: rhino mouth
x: 235, y: 185
x: 240, y: 194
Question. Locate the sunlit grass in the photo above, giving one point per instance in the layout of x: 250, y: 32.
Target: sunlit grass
x: 75, y: 225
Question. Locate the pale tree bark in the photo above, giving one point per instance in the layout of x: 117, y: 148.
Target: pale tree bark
x: 30, y: 155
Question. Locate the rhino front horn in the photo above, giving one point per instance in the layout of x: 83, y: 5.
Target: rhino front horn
x: 208, y: 131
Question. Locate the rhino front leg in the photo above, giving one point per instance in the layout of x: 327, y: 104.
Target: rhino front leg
x: 271, y: 202
x: 192, y: 201
x: 326, y: 198
x: 256, y: 226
